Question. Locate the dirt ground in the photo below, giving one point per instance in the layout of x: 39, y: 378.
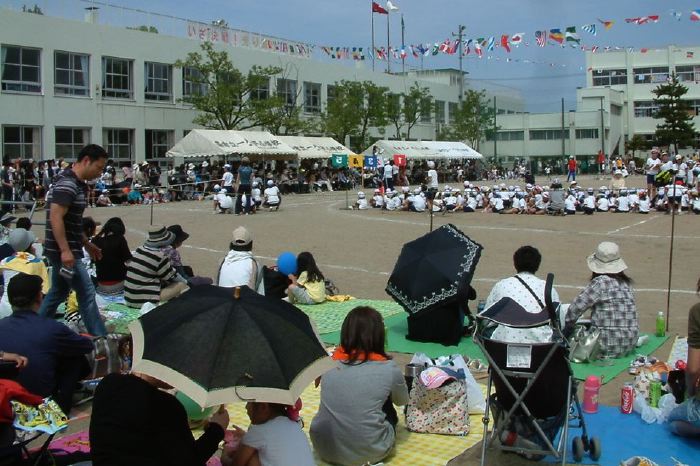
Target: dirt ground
x: 358, y: 249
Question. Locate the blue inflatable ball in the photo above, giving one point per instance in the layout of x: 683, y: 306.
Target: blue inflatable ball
x: 193, y: 410
x: 287, y: 263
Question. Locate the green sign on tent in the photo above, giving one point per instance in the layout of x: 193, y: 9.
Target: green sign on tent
x: 339, y: 160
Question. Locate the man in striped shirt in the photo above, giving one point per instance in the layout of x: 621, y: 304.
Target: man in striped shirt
x: 150, y: 276
x: 65, y: 239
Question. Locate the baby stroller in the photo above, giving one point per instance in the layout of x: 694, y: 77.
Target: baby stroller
x: 535, y: 401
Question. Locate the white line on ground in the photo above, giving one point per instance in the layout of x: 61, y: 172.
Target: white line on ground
x: 612, y: 232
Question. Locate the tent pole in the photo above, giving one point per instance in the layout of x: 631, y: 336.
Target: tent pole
x: 151, y: 213
x: 670, y: 262
x: 431, y: 217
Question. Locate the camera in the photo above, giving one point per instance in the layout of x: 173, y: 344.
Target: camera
x: 66, y: 272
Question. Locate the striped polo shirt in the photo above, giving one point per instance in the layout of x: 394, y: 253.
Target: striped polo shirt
x: 147, y: 270
x: 67, y: 190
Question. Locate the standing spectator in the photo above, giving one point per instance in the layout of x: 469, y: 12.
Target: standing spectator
x: 63, y: 247
x: 244, y: 183
x: 572, y: 169
x: 7, y: 179
x: 389, y: 175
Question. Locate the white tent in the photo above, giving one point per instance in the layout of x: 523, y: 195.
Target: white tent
x: 209, y: 142
x: 309, y: 147
x: 425, y: 150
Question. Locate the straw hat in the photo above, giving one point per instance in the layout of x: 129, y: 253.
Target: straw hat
x: 606, y: 259
x: 159, y: 236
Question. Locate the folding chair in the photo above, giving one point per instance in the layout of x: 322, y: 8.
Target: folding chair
x: 535, y: 391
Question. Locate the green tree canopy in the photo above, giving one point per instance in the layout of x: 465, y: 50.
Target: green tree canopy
x: 678, y: 128
x: 415, y: 103
x: 473, y: 119
x: 223, y: 99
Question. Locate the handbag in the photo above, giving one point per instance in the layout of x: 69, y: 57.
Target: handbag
x: 584, y: 343
x: 441, y: 410
x: 106, y: 358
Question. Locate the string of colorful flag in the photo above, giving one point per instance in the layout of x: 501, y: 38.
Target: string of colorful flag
x: 562, y: 37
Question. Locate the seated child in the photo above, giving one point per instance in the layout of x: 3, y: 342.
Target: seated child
x: 361, y: 202
x: 273, y: 438
x: 308, y: 285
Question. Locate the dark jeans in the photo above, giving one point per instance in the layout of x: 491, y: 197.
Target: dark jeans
x: 243, y: 189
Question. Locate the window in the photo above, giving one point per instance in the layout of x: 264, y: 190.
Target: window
x: 588, y: 133
x: 69, y: 141
x: 330, y: 93
x: 439, y: 111
x: 21, y: 69
x: 694, y: 107
x: 158, y: 141
x: 426, y: 111
x: 645, y: 109
x: 452, y: 111
x: 262, y: 90
x: 157, y: 79
x: 688, y: 73
x: 120, y: 143
x: 653, y: 75
x: 609, y: 77
x: 547, y: 134
x: 193, y: 82
x: 21, y: 142
x: 71, y: 74
x: 117, y: 78
x: 287, y: 90
x: 511, y: 135
x: 312, y: 97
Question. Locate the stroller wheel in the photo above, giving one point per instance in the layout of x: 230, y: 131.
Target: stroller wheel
x: 594, y: 449
x: 577, y: 448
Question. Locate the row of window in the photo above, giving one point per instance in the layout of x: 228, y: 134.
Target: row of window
x: 648, y: 75
x: 647, y: 108
x: 544, y: 134
x: 21, y: 72
x: 24, y: 142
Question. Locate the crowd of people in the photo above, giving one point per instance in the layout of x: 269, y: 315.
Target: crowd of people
x: 135, y: 422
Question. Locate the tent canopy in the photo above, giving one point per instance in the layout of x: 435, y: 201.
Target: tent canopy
x: 210, y: 142
x: 309, y: 147
x: 425, y: 150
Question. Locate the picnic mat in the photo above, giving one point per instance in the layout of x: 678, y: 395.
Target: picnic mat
x: 652, y: 441
x: 120, y: 315
x: 329, y: 316
x: 619, y: 365
x: 397, y: 328
x: 411, y: 448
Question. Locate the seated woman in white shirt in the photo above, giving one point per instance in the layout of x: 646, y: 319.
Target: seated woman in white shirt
x: 239, y: 267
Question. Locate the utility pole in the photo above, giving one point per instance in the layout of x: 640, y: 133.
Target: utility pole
x: 495, y: 131
x: 563, y: 141
x: 459, y: 35
x: 602, y: 126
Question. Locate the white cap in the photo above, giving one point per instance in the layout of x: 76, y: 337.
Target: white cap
x: 270, y: 183
x: 217, y: 187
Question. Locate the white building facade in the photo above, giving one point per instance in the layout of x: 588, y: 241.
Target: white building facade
x: 66, y: 83
x: 615, y: 105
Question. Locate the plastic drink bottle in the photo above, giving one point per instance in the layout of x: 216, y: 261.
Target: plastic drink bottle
x: 660, y: 324
x: 591, y: 389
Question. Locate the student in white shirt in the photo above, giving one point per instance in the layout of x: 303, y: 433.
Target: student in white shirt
x: 623, y: 202
x: 227, y: 179
x: 695, y: 201
x: 416, y: 203
x: 603, y: 204
x: 470, y: 205
x: 377, y: 200
x: 273, y: 197
x: 361, y: 203
x: 256, y: 195
x: 643, y: 205
x: 589, y: 202
x: 222, y: 203
x: 570, y: 205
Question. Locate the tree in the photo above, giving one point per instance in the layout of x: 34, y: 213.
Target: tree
x: 473, y: 119
x: 636, y: 143
x: 224, y: 102
x: 282, y: 113
x: 394, y: 114
x: 342, y: 117
x: 678, y: 128
x: 373, y: 114
x: 414, y: 103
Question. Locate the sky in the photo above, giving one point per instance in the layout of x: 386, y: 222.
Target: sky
x: 346, y: 23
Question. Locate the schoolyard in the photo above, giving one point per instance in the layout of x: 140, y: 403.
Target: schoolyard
x: 357, y: 250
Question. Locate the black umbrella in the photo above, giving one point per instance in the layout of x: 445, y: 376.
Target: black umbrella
x: 217, y: 347
x: 434, y: 270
